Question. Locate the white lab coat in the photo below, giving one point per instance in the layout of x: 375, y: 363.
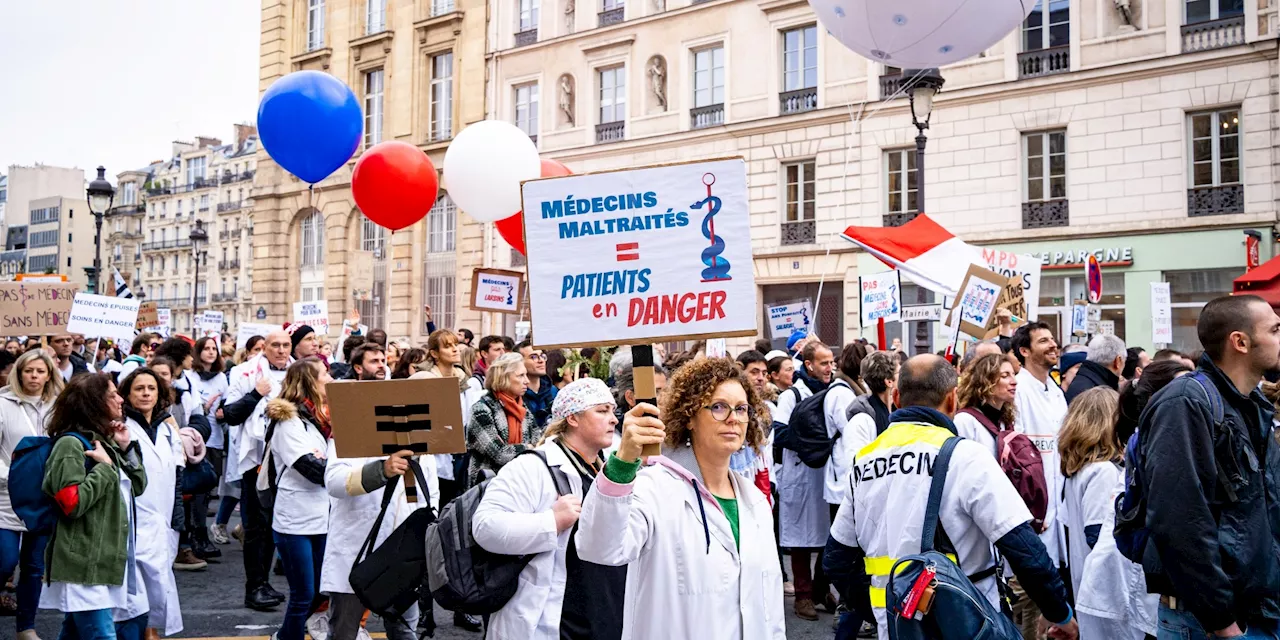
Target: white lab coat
x: 804, y: 519
x: 1041, y: 408
x: 352, y: 514
x: 157, y: 541
x: 19, y: 418
x: 515, y: 518
x: 302, y: 506
x: 205, y: 389
x: 686, y: 578
x: 835, y: 475
x: 248, y: 441
x: 1112, y: 602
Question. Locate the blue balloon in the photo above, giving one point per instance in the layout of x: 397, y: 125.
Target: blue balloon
x: 310, y: 123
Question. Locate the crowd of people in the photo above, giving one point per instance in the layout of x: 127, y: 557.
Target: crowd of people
x: 1092, y: 491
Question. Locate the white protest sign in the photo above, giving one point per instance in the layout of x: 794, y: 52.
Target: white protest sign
x: 922, y: 313
x: 164, y: 324
x: 496, y: 290
x: 1079, y: 319
x: 522, y: 330
x: 785, y: 318
x: 1025, y: 266
x: 246, y: 330
x: 97, y: 316
x: 314, y: 314
x: 641, y: 255
x: 880, y: 295
x: 717, y: 348
x: 209, y: 323
x: 1161, y: 314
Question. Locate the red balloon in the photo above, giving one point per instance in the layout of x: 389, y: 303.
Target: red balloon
x: 512, y: 229
x: 394, y: 184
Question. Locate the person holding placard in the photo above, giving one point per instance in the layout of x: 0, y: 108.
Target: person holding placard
x: 501, y: 426
x: 686, y: 524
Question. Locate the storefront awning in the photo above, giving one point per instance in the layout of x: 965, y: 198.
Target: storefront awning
x: 1263, y: 281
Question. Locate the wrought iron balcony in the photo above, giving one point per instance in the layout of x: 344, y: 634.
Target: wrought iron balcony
x: 225, y: 297
x: 897, y: 219
x: 799, y: 232
x: 709, y: 116
x: 1044, y: 214
x: 166, y: 244
x: 799, y: 101
x: 228, y: 177
x: 127, y: 210
x: 889, y: 85
x: 528, y: 37
x: 612, y: 16
x: 159, y: 191
x: 228, y: 233
x: 1044, y: 62
x: 1215, y: 201
x: 1214, y: 34
x: 611, y: 131
x: 228, y: 265
x: 224, y: 207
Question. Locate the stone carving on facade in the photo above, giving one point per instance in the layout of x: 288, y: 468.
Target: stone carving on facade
x: 659, y: 6
x: 1128, y: 10
x: 568, y: 16
x: 656, y: 71
x: 565, y: 99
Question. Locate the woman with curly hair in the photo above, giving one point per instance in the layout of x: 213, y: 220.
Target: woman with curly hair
x: 686, y: 524
x: 986, y: 400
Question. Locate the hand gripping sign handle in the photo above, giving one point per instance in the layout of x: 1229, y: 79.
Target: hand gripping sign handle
x: 646, y: 388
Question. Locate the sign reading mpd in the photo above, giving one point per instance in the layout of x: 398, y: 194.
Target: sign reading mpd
x: 627, y: 257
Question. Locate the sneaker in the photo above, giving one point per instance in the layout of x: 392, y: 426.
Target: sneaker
x: 318, y: 626
x: 187, y: 561
x: 362, y: 634
x: 789, y: 589
x: 29, y: 634
x: 804, y: 609
x: 868, y: 630
x: 218, y: 534
x: 238, y: 534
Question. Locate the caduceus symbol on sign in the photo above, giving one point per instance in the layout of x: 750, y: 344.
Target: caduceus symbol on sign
x: 511, y: 296
x: 717, y: 268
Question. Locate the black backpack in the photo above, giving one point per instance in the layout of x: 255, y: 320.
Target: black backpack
x: 461, y: 575
x: 390, y: 579
x: 806, y: 432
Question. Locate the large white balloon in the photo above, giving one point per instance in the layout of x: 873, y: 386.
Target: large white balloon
x: 484, y: 166
x: 915, y: 34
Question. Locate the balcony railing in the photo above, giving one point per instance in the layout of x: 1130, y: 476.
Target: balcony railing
x: 799, y: 232
x: 1044, y: 62
x: 1046, y: 213
x: 889, y: 84
x: 441, y: 7
x: 611, y: 131
x: 228, y: 178
x: 526, y: 38
x: 709, y: 116
x: 225, y: 297
x: 166, y: 244
x: 184, y: 301
x: 228, y: 233
x: 127, y: 210
x: 159, y: 191
x: 612, y: 16
x: 1214, y: 34
x: 897, y: 219
x: 1215, y: 201
x: 224, y: 207
x: 799, y: 101
x: 228, y: 265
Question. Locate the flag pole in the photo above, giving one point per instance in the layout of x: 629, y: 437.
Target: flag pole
x: 822, y: 277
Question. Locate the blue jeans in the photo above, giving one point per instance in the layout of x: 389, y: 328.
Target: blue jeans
x: 27, y: 550
x: 226, y: 505
x: 1181, y: 625
x: 135, y: 629
x: 302, y: 557
x: 88, y: 625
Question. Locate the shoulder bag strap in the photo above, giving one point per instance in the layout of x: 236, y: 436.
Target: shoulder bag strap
x: 388, y: 493
x: 931, y: 512
x: 560, y: 482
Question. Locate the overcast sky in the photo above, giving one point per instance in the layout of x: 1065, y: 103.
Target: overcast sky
x: 90, y: 82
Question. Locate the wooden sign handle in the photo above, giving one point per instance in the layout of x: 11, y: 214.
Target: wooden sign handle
x: 410, y: 484
x: 646, y: 388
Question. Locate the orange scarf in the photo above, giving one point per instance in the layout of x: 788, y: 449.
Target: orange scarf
x: 513, y: 407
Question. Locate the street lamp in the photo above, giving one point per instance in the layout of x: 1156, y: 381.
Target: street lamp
x: 198, y: 237
x: 923, y: 85
x: 100, y: 195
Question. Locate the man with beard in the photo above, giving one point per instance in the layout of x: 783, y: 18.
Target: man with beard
x: 369, y: 362
x: 541, y: 391
x: 1209, y: 469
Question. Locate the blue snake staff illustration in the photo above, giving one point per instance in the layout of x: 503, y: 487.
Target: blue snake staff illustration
x: 717, y: 267
x: 511, y: 293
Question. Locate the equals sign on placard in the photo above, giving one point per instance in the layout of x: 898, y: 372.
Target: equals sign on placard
x: 628, y: 251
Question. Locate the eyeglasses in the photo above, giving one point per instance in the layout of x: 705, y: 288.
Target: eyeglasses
x: 537, y: 357
x: 720, y: 411
x: 155, y: 344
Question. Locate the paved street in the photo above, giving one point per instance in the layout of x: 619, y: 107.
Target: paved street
x: 212, y: 607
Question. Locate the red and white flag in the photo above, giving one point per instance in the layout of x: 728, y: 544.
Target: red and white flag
x: 922, y: 249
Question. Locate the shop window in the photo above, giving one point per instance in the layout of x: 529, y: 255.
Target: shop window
x: 1189, y: 291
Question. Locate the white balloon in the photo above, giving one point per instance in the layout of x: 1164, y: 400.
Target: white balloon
x: 484, y: 166
x: 916, y: 34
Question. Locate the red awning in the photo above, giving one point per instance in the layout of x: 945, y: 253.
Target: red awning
x: 1264, y: 281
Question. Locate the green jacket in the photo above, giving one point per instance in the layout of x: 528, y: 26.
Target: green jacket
x: 89, y: 545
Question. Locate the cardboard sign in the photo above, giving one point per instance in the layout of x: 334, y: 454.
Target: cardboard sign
x: 496, y: 290
x: 314, y: 314
x: 210, y: 322
x: 147, y: 316
x: 785, y: 318
x: 376, y: 418
x: 1022, y: 266
x: 979, y: 293
x: 246, y: 330
x: 97, y: 316
x: 922, y: 313
x: 1161, y: 314
x: 638, y: 256
x: 36, y: 308
x: 880, y: 297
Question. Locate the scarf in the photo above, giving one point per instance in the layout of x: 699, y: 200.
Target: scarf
x: 925, y: 415
x: 882, y: 412
x: 814, y: 385
x: 321, y: 418
x: 513, y: 407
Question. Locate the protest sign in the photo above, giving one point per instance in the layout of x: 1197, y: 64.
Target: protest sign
x: 314, y: 314
x: 785, y: 318
x: 362, y: 275
x: 1080, y: 318
x: 36, y: 308
x: 496, y: 290
x: 641, y: 255
x: 717, y: 348
x: 1161, y: 314
x: 1022, y: 266
x: 977, y: 299
x: 922, y: 313
x: 97, y: 316
x: 163, y: 324
x: 246, y: 330
x: 880, y: 297
x: 523, y: 327
x: 209, y: 322
x: 148, y: 316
